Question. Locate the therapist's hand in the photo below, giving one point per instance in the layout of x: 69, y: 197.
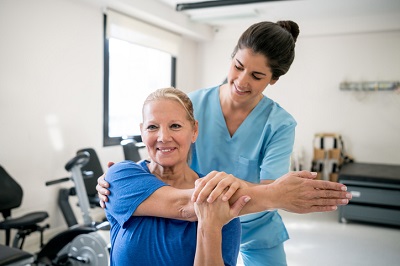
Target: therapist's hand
x: 215, y: 184
x: 102, y: 188
x: 298, y: 192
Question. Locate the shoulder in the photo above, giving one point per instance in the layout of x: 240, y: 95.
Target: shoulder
x: 125, y: 169
x: 277, y: 114
x: 198, y: 95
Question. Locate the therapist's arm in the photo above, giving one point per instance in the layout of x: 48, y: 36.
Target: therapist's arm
x: 294, y: 192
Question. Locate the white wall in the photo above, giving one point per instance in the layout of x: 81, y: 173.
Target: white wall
x: 51, y: 94
x: 327, y: 53
x: 51, y: 89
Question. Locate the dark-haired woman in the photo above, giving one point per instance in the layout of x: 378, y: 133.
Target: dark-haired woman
x: 244, y: 133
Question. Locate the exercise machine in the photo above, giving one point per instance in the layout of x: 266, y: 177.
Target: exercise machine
x: 90, y: 172
x: 79, y: 244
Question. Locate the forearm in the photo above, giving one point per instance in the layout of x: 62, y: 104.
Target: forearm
x: 168, y: 202
x: 295, y: 192
x: 263, y: 198
x: 208, y: 248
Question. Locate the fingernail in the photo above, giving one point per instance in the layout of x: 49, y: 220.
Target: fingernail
x: 334, y: 208
x: 224, y: 198
x: 314, y: 173
x: 344, y: 188
x: 209, y: 199
x: 349, y: 195
x: 247, y: 199
x: 345, y: 201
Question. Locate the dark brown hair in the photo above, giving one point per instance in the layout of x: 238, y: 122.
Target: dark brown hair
x: 276, y: 41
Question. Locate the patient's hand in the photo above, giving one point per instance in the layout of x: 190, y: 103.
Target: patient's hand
x: 102, y: 187
x: 215, y: 184
x: 219, y: 212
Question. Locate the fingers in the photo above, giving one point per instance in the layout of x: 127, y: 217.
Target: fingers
x: 322, y: 208
x: 102, y: 204
x: 102, y: 182
x: 204, y: 186
x: 332, y: 194
x: 306, y: 174
x: 321, y: 184
x: 238, y: 205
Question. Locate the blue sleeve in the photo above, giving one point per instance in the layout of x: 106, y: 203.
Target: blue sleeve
x: 130, y: 185
x: 276, y: 161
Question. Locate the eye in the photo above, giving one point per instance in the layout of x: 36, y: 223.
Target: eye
x: 176, y: 126
x: 256, y: 78
x: 238, y: 67
x: 151, y: 127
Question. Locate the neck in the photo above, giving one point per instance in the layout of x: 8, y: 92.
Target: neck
x: 178, y: 176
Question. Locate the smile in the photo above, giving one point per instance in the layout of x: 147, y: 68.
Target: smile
x: 166, y: 150
x: 241, y: 91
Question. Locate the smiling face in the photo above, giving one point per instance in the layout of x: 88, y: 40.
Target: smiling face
x: 248, y: 76
x: 167, y: 132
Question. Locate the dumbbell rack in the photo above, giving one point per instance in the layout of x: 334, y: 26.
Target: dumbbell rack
x: 327, y: 157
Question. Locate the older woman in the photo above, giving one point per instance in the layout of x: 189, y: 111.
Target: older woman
x: 150, y: 207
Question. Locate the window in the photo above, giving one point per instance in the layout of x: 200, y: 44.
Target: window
x: 132, y: 70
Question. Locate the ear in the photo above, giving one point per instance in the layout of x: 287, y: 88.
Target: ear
x: 195, y: 131
x: 273, y: 81
x: 141, y: 130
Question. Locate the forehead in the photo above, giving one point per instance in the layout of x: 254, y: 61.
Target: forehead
x: 249, y: 58
x: 164, y: 109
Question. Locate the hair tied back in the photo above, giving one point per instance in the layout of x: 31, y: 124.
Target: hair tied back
x: 291, y: 27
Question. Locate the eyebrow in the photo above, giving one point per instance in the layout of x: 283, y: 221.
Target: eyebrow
x: 254, y: 72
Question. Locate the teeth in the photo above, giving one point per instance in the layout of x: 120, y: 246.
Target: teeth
x: 239, y: 90
x: 165, y: 150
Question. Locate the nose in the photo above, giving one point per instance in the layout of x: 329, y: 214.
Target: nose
x: 243, y: 80
x: 164, y: 135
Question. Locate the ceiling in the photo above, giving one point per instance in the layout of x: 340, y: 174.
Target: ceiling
x: 297, y: 10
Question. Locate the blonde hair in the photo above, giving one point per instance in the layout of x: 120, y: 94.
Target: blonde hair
x: 173, y: 94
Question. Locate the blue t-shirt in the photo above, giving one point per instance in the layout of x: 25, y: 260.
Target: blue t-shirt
x: 139, y: 240
x: 260, y: 149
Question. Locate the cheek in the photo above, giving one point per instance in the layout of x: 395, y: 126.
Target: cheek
x: 232, y: 72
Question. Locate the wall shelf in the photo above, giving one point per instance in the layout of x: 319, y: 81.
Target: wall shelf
x: 370, y: 86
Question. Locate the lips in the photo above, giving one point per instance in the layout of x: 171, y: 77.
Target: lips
x: 166, y: 149
x: 240, y: 91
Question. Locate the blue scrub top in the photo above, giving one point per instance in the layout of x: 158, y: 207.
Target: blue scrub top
x: 260, y: 149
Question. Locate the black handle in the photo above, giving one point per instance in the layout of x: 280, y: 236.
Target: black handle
x: 81, y: 158
x: 52, y: 182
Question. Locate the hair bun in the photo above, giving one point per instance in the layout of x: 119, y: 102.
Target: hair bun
x: 291, y: 27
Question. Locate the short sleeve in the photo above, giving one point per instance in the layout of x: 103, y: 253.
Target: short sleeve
x: 276, y: 161
x: 130, y: 185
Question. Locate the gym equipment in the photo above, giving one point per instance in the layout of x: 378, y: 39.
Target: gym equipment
x: 11, y: 198
x: 329, y: 156
x: 80, y: 244
x: 90, y: 172
x: 376, y: 193
x: 131, y: 149
x: 10, y: 256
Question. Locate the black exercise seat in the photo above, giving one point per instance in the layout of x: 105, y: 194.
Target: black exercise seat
x: 11, y: 198
x: 13, y: 256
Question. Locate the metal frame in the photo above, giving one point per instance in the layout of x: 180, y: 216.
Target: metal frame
x: 217, y: 3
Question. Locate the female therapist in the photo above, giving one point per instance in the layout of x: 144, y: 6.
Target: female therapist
x: 244, y: 133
